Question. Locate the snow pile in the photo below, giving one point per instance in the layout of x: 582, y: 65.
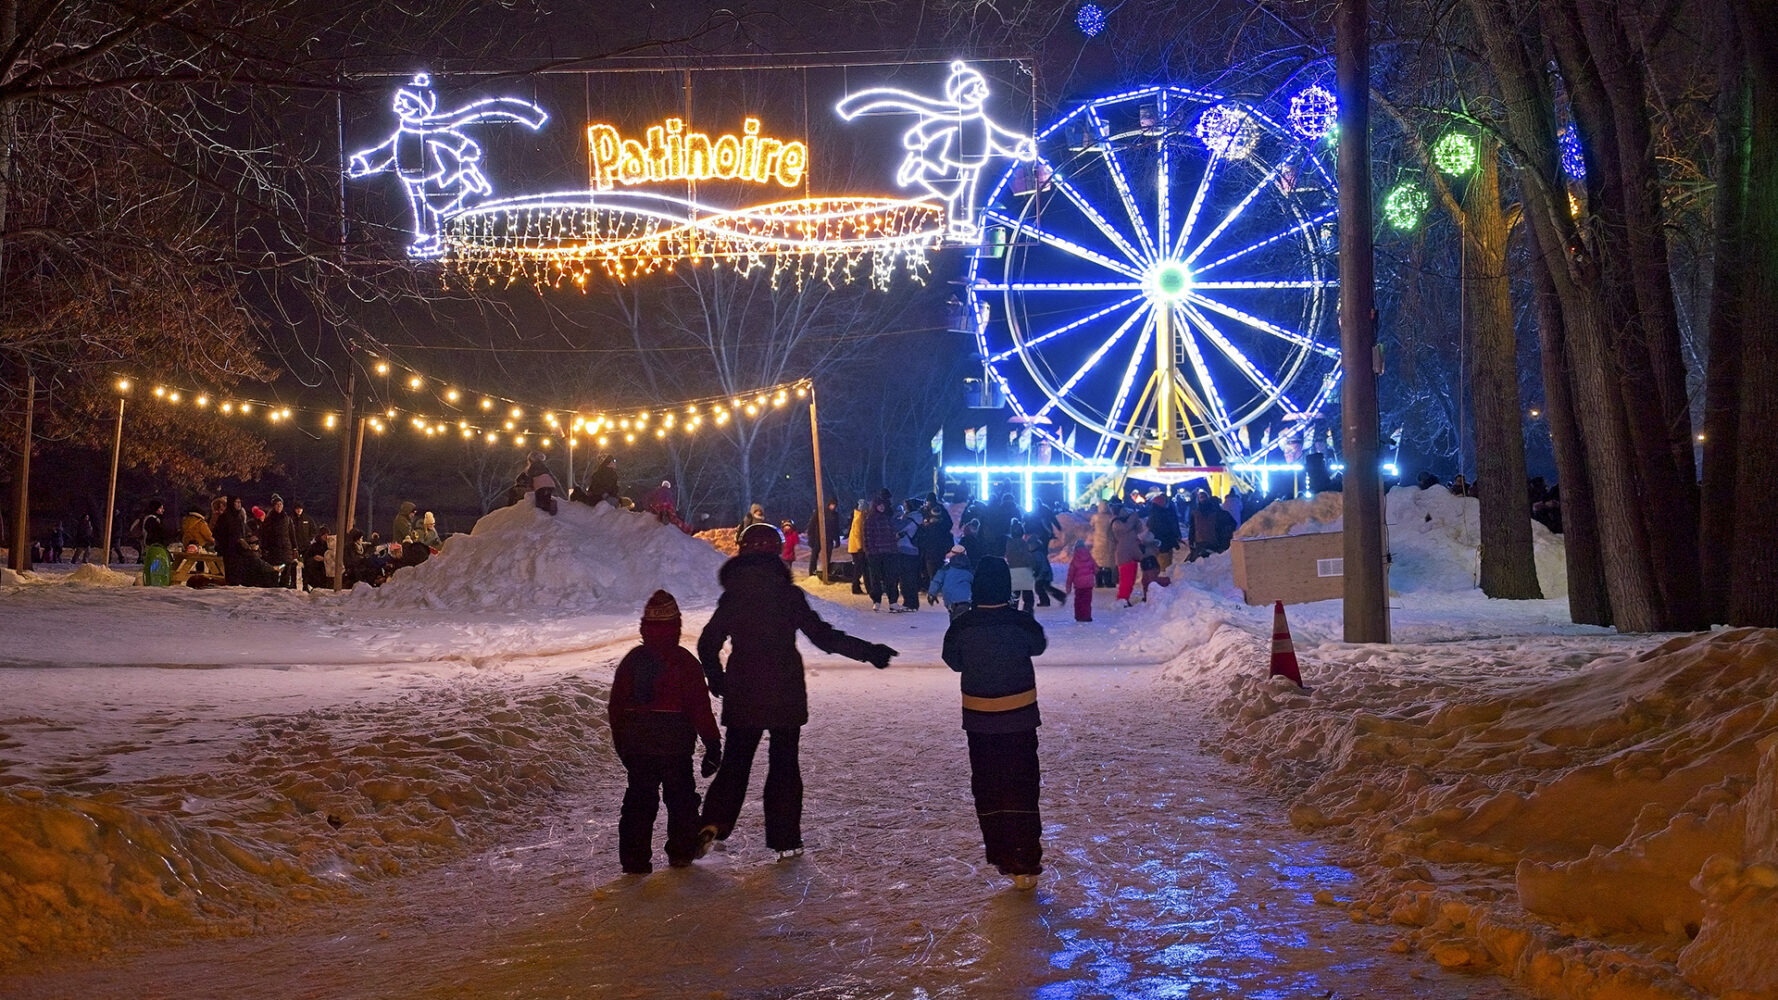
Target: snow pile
x: 1434, y: 538
x: 301, y: 806
x: 1322, y: 512
x: 94, y: 575
x: 585, y: 558
x: 1524, y: 803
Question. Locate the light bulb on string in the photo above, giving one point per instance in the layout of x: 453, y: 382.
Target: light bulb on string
x: 382, y: 368
x: 451, y: 394
x: 487, y: 404
x: 414, y: 383
x: 123, y: 385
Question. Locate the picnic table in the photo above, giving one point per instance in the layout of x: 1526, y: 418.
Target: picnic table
x: 201, y: 562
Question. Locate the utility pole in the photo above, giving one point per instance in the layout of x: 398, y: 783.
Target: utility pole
x: 820, y: 493
x: 1366, y: 603
x: 111, y: 494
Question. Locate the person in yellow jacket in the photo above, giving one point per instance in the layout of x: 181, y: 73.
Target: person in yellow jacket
x: 855, y: 546
x: 194, y: 529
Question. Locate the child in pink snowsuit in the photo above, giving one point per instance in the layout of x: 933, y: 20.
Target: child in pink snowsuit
x: 1081, y: 571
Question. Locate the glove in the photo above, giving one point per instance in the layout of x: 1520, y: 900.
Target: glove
x: 712, y: 761
x: 879, y: 656
x: 931, y: 600
x: 714, y: 680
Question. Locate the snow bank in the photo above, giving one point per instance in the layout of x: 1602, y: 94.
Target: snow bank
x: 585, y: 558
x: 88, y: 574
x: 1434, y: 538
x: 302, y: 806
x: 1592, y: 826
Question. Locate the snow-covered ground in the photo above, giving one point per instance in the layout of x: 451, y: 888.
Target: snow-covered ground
x: 410, y: 793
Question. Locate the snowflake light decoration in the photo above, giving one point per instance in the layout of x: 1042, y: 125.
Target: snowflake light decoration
x: 1228, y: 131
x: 1090, y: 19
x: 1314, y: 112
x: 1404, y: 204
x: 1455, y: 154
x: 1574, y: 160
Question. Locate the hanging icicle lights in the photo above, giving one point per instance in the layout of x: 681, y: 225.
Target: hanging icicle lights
x: 489, y: 418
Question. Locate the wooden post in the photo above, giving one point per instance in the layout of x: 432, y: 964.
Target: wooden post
x: 340, y: 512
x: 20, y: 557
x: 111, y: 494
x: 1366, y: 603
x: 357, y: 464
x: 820, y: 493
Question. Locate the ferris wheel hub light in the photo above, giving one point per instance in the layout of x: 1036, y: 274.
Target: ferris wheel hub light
x: 1170, y: 281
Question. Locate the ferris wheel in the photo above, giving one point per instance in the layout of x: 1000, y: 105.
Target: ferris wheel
x: 1161, y: 280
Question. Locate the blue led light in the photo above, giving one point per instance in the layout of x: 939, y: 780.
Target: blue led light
x: 1090, y: 20
x: 1574, y: 161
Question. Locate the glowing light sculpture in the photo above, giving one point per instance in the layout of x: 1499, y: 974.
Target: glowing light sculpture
x: 1090, y: 19
x: 1314, y: 112
x: 1160, y: 294
x: 1405, y: 204
x: 1455, y: 154
x: 1228, y: 131
x: 437, y: 164
x: 1574, y: 159
x: 950, y: 144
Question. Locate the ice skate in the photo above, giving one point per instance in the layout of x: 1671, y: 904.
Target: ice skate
x: 706, y: 837
x: 794, y: 852
x: 1024, y: 883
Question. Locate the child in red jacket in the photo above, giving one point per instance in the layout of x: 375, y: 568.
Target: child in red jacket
x: 659, y: 708
x: 1081, y: 571
x: 791, y: 540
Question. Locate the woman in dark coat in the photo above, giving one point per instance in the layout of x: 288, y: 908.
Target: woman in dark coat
x: 762, y: 689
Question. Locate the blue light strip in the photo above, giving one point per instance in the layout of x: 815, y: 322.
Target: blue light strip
x: 1062, y: 244
x: 1007, y: 470
x: 1227, y: 285
x: 1197, y: 206
x: 1218, y: 408
x: 1123, y: 389
x: 1235, y: 213
x: 1272, y: 328
x: 1268, y: 241
x: 1164, y: 220
x: 1009, y: 352
x: 1091, y: 363
x: 1234, y: 354
x: 1121, y: 182
x: 1061, y: 184
x: 1060, y: 286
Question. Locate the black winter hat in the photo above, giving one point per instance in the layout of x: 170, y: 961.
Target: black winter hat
x: 993, y: 581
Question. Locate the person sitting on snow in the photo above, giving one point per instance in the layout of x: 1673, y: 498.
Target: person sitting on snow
x: 543, y: 485
x: 762, y: 687
x: 659, y: 709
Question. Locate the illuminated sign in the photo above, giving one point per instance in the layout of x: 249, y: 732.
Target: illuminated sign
x: 953, y: 140
x: 438, y: 165
x: 549, y: 238
x: 673, y: 154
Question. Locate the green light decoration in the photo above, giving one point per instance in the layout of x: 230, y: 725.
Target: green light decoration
x: 1455, y: 154
x: 1404, y: 204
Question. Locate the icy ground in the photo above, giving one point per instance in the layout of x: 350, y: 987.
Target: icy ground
x: 250, y: 793
x: 1168, y: 876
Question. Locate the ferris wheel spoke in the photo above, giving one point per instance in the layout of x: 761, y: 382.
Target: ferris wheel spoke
x: 1197, y: 205
x: 1268, y: 241
x: 1073, y: 194
x: 1241, y: 361
x: 1053, y: 334
x: 1239, y: 285
x: 1261, y: 325
x: 1218, y: 409
x: 1163, y: 214
x: 1121, y: 181
x: 1064, y: 244
x: 1235, y: 213
x: 1115, y: 416
x: 1092, y: 362
x: 1058, y: 286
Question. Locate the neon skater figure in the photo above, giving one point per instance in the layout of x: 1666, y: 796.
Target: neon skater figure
x: 439, y: 165
x: 950, y: 145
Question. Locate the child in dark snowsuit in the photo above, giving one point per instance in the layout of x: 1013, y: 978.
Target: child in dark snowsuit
x: 762, y: 688
x: 659, y: 708
x: 991, y: 645
x: 543, y: 485
x: 1082, y: 575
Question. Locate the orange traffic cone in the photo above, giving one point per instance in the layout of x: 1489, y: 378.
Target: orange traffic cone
x: 1283, y: 653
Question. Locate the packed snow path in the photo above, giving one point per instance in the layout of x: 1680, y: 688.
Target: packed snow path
x: 1167, y: 877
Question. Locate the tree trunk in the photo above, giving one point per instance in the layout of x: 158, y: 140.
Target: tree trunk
x: 1722, y: 381
x: 1589, y: 602
x: 1632, y: 254
x: 1753, y: 597
x: 1508, y: 568
x: 1610, y: 460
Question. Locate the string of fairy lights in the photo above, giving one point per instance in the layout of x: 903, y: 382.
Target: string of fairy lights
x: 442, y: 409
